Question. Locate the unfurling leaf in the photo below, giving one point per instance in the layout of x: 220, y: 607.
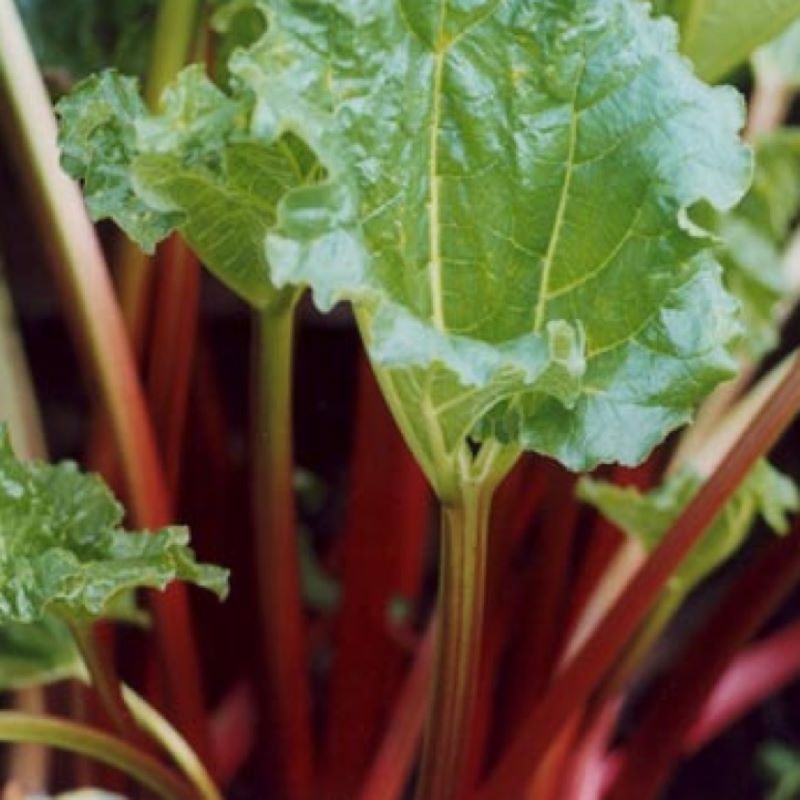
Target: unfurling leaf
x: 647, y: 517
x: 62, y: 549
x: 503, y: 193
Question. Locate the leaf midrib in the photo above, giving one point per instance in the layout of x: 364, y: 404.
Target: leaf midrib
x: 558, y: 224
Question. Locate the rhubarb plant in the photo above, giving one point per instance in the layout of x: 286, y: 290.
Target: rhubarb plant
x: 447, y: 171
x: 552, y: 239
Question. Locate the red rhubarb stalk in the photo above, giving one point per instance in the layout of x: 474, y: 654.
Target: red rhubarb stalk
x: 103, y: 344
x: 583, y: 674
x: 659, y: 739
x: 382, y: 554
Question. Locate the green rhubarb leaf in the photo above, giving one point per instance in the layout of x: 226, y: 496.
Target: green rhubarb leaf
x: 503, y: 193
x: 754, y: 236
x: 191, y: 167
x: 647, y: 517
x: 62, y: 549
x: 719, y: 35
x: 37, y: 653
x: 506, y: 206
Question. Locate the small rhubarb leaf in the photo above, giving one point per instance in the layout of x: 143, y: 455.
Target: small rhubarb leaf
x: 191, y: 167
x: 98, y: 142
x: 647, y: 517
x: 62, y: 549
x: 719, y: 35
x: 754, y: 236
x: 37, y: 653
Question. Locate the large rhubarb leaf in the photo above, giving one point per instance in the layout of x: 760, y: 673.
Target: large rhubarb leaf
x: 647, y: 517
x: 62, y: 549
x: 718, y: 35
x: 503, y: 194
x: 506, y: 204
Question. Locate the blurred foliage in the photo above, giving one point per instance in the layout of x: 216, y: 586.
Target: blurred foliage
x: 754, y: 236
x: 73, y: 38
x: 782, y: 55
x: 781, y: 767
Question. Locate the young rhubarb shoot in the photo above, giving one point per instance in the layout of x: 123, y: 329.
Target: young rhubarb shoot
x: 647, y: 517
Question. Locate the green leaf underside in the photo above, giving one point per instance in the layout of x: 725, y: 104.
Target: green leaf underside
x: 718, y: 35
x: 37, y: 653
x: 754, y: 236
x: 62, y: 550
x: 647, y: 517
x: 191, y: 168
x: 505, y: 202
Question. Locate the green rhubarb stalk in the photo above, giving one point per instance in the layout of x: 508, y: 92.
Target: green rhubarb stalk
x: 104, y: 681
x: 80, y: 739
x: 161, y: 731
x: 462, y: 579
x: 28, y: 765
x: 285, y: 684
x: 465, y: 515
